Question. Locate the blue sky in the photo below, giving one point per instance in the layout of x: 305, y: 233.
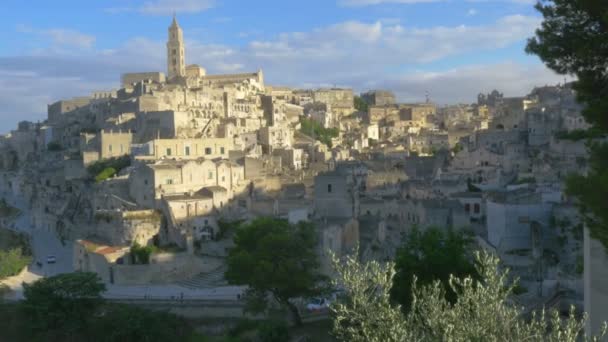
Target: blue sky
x: 453, y: 49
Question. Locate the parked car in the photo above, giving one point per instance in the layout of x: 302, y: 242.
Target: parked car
x: 51, y: 259
x: 318, y: 304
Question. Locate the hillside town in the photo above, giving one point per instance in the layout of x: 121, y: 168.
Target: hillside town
x: 173, y: 160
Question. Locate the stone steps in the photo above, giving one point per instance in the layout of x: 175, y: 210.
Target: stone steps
x: 207, y: 280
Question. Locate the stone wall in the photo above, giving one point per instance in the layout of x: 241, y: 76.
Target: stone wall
x: 163, y: 269
x: 127, y: 227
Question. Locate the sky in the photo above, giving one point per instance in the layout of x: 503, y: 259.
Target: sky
x: 452, y: 49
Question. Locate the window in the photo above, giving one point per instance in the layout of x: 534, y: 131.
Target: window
x: 210, y: 175
x: 222, y: 151
x: 223, y: 179
x: 467, y: 207
x: 169, y: 181
x: 476, y: 208
x: 168, y: 151
x: 187, y: 150
x: 208, y: 150
x: 145, y: 181
x: 329, y: 188
x: 110, y: 148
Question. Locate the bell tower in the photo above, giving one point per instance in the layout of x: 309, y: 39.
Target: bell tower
x: 176, y: 58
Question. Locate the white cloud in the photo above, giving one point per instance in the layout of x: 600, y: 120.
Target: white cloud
x: 357, y: 54
x: 163, y: 7
x: 356, y: 3
x: 361, y: 3
x: 464, y: 83
x: 472, y: 12
x: 60, y: 37
x: 167, y: 7
x: 70, y: 38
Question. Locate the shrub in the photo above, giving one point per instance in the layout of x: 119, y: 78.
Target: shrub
x: 54, y: 146
x: 12, y: 262
x: 273, y: 331
x: 141, y: 254
x: 118, y: 164
x: 322, y: 134
x: 105, y: 174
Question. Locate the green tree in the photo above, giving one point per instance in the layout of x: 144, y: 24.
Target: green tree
x: 141, y: 254
x: 482, y: 310
x: 273, y: 257
x: 62, y: 303
x: 129, y: 323
x: 322, y: 134
x: 573, y: 39
x: 431, y: 255
x: 360, y: 104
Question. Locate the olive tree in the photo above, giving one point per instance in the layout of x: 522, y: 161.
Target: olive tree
x: 482, y: 311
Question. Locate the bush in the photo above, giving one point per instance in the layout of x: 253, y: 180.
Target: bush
x: 54, y: 146
x: 519, y: 290
x: 580, y: 134
x: 322, y: 134
x: 118, y: 164
x: 141, y: 254
x: 105, y: 174
x: 273, y: 331
x: 12, y: 262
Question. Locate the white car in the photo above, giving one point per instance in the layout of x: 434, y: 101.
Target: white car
x: 51, y: 259
x: 318, y: 304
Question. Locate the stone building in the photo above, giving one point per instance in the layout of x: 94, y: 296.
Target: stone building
x: 130, y: 79
x: 208, y: 148
x: 176, y: 56
x: 341, y: 101
x: 379, y: 97
x: 150, y: 182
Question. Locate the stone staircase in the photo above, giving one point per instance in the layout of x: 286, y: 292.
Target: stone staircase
x: 206, y: 280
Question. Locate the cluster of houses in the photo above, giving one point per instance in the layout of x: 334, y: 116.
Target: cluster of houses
x: 189, y: 151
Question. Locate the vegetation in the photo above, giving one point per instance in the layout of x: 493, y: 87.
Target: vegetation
x: 63, y: 302
x: 107, y: 168
x: 471, y: 187
x: 526, y: 180
x: 141, y: 254
x: 580, y: 134
x: 54, y: 146
x: 573, y: 39
x: 457, y: 148
x: 481, y: 311
x: 360, y: 104
x: 15, y: 253
x: 69, y: 307
x: 259, y: 330
x: 12, y: 262
x: 6, y: 210
x: 273, y: 257
x: 322, y: 134
x: 107, y: 173
x: 225, y: 227
x: 431, y: 255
